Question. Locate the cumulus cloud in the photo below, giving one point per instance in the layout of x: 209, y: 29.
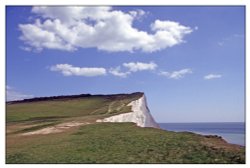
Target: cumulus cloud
x: 132, y: 67
x: 176, y: 74
x: 117, y: 72
x: 212, y: 76
x: 140, y: 66
x: 138, y: 14
x: 127, y: 69
x: 69, y: 70
x: 12, y: 94
x: 71, y: 28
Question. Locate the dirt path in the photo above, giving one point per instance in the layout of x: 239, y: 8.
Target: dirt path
x: 57, y: 128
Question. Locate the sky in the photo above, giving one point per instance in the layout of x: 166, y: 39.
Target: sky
x: 189, y: 61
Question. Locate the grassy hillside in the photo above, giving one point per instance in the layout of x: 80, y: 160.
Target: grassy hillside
x: 57, y: 109
x: 122, y: 143
x: 102, y: 142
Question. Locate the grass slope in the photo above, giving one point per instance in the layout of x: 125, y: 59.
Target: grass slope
x: 123, y: 143
x: 65, y: 108
x: 102, y: 142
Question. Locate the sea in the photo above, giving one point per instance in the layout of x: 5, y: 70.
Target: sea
x: 232, y: 132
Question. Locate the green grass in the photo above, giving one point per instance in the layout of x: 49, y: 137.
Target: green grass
x: 103, y: 142
x: 58, y: 109
x: 70, y: 108
x: 122, y: 143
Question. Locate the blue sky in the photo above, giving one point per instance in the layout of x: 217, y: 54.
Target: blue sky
x: 189, y: 61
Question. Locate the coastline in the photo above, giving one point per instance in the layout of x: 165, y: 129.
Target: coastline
x: 232, y: 132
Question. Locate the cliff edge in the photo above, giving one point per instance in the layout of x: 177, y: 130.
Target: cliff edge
x: 140, y: 114
x: 64, y: 129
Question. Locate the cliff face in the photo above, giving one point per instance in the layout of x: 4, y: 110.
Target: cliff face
x: 140, y: 115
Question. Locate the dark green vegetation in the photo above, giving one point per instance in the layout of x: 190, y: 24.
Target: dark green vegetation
x: 103, y: 142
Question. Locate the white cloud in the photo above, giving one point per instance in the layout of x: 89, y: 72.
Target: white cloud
x: 174, y: 28
x: 69, y: 70
x: 117, y: 72
x: 138, y: 14
x: 212, y: 76
x: 132, y: 67
x: 34, y: 35
x: 71, y: 28
x: 12, y: 94
x: 140, y: 66
x: 176, y: 74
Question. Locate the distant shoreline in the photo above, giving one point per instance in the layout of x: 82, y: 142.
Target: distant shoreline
x: 232, y: 132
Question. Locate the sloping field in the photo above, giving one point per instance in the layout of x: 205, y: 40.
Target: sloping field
x: 121, y: 143
x: 42, y: 116
x: 63, y: 130
x: 56, y: 109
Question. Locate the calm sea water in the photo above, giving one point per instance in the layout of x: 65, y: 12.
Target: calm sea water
x: 232, y: 132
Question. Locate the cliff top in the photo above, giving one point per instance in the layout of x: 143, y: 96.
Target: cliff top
x: 68, y: 97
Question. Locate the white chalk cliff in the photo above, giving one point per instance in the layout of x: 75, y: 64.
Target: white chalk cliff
x: 140, y: 115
